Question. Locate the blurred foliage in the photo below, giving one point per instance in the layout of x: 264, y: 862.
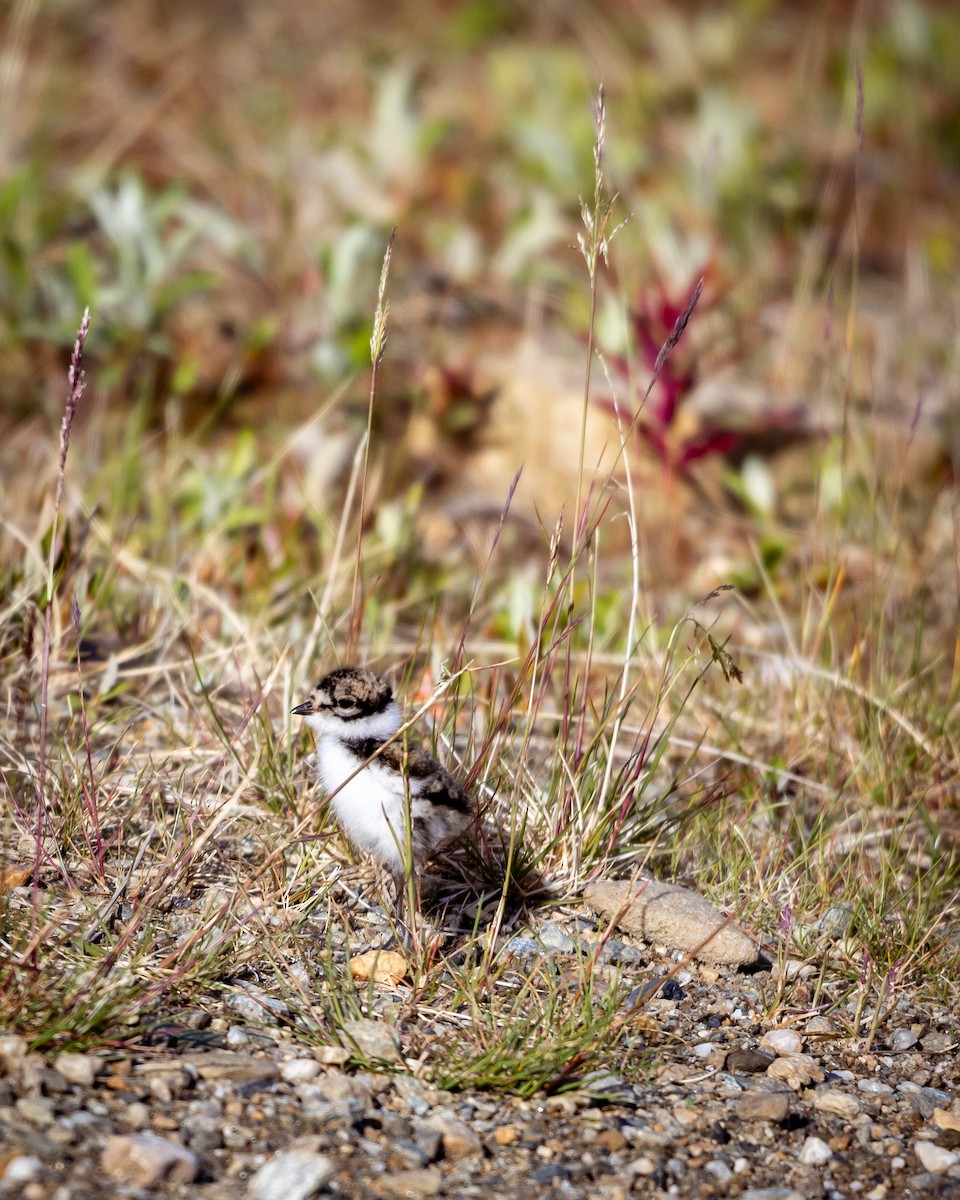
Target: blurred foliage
x: 157, y: 154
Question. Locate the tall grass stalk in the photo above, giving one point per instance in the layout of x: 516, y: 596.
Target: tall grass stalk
x: 378, y: 344
x: 75, y: 389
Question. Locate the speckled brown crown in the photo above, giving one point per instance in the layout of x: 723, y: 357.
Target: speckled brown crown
x: 370, y: 693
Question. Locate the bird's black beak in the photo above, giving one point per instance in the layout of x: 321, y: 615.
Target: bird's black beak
x: 302, y: 710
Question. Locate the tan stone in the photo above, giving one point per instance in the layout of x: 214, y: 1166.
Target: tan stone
x: 672, y: 916
x: 145, y: 1160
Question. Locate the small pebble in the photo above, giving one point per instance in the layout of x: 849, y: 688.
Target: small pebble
x: 523, y: 947
x: 555, y: 938
x: 552, y: 1173
x: 38, y: 1110
x: 938, y: 1043
x: 77, y: 1068
x: 332, y: 1056
x: 292, y: 1175
x: 719, y: 1170
x: 903, y: 1039
x: 874, y: 1087
x: 836, y: 1104
x: 763, y: 1106
x: 136, y: 1115
x: 459, y: 1140
x: 782, y: 1042
x: 748, y: 1062
x: 821, y: 1025
x: 255, y: 1004
x: 934, y: 1158
x: 144, y: 1160
x: 796, y: 1070
x: 408, y: 1185
x: 375, y: 1040
x: 642, y: 1166
x: 298, y: 1070
x: 772, y: 1193
x: 814, y: 1152
x: 835, y: 922
x: 20, y: 1169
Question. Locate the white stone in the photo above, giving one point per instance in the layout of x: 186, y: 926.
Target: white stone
x: 814, y: 1152
x: 642, y: 1166
x: 719, y: 1170
x: 298, y: 1070
x: 935, y: 1158
x: 20, y: 1169
x: 295, y: 1175
x: 77, y: 1068
x: 782, y: 1042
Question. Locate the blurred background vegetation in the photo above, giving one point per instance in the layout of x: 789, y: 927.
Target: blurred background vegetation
x: 218, y: 183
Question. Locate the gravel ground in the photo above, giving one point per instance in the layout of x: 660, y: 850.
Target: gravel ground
x: 730, y: 1106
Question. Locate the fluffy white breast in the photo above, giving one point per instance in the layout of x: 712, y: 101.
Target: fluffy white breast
x: 370, y: 806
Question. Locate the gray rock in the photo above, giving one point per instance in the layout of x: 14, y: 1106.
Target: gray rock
x: 375, y: 1040
x: 405, y: 1155
x: 903, y: 1039
x: 835, y: 922
x: 748, y: 1062
x: 619, y: 954
x: 332, y: 1056
x: 242, y: 1037
x: 13, y: 1050
x: 551, y: 1174
x: 927, y: 1099
x: 227, y: 1064
x: 874, y: 1087
x: 671, y: 916
x: 254, y: 1004
x: 555, y: 938
x: 145, y: 1160
x: 428, y: 1139
x: 293, y: 1175
x: 523, y: 947
x: 938, y: 1043
x: 321, y: 1110
x: 38, y: 1110
x: 413, y: 1093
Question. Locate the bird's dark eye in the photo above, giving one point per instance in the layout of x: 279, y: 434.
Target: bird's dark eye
x: 343, y: 702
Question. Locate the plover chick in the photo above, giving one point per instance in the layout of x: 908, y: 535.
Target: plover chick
x: 352, y: 713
